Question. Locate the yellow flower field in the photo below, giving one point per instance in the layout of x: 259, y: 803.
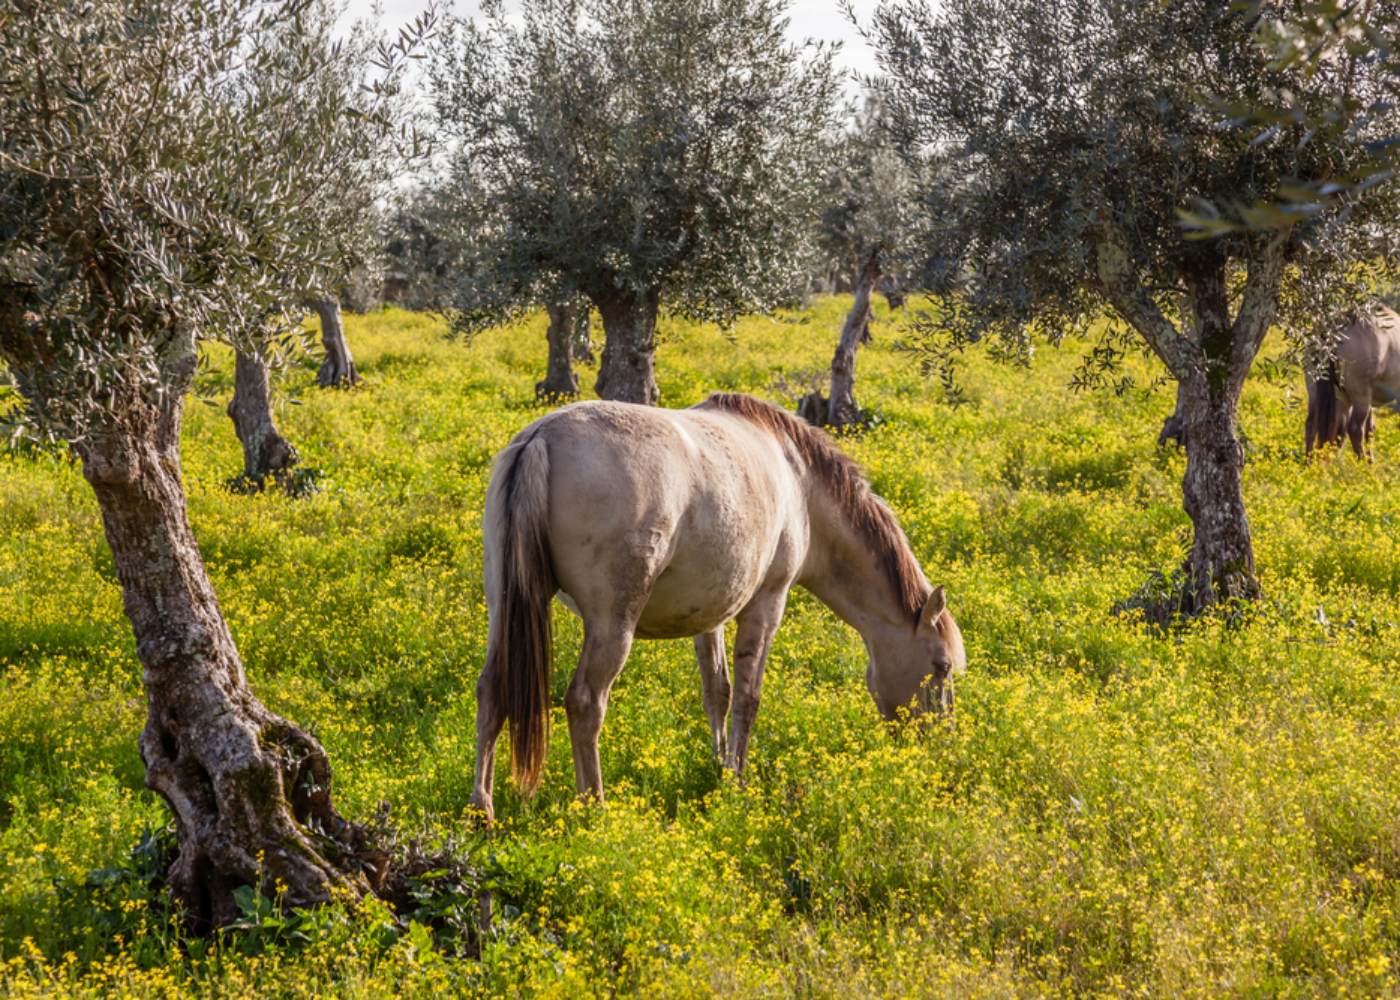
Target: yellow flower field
x: 1209, y: 811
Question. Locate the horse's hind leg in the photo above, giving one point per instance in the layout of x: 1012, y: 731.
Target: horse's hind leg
x: 605, y: 650
x: 1358, y: 425
x: 714, y: 680
x: 490, y: 716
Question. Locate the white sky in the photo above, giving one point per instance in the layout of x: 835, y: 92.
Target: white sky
x: 816, y: 19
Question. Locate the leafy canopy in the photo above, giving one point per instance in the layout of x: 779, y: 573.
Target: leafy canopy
x: 632, y: 147
x: 1312, y: 38
x: 868, y: 199
x: 173, y: 170
x: 1076, y: 131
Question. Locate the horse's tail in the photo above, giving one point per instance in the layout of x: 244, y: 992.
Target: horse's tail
x: 519, y: 589
x: 1323, y: 404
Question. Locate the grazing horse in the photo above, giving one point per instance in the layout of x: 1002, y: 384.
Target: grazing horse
x: 1365, y: 374
x: 659, y: 524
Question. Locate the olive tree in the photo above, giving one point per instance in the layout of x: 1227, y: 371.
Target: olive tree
x: 567, y: 336
x: 419, y: 245
x: 637, y: 152
x: 348, y: 218
x: 1075, y: 134
x: 868, y: 216
x: 266, y: 453
x: 424, y: 249
x: 166, y: 167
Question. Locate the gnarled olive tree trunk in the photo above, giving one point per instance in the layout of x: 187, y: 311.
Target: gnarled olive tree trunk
x: 1210, y: 357
x: 251, y: 792
x: 628, y: 370
x: 1221, y: 564
x: 842, y: 410
x: 265, y: 451
x: 338, y: 370
x: 560, y: 380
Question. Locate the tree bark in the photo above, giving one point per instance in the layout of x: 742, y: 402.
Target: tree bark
x: 1174, y: 427
x: 560, y: 381
x: 338, y: 370
x: 1210, y: 366
x: 842, y: 411
x: 1221, y: 564
x: 628, y: 371
x: 265, y: 451
x: 251, y: 792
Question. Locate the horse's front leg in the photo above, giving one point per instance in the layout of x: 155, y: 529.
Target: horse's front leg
x: 714, y: 682
x: 605, y: 650
x: 757, y: 624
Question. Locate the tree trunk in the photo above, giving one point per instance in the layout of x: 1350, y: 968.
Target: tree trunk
x: 251, y: 792
x: 1174, y: 427
x: 1210, y: 365
x: 265, y: 451
x: 338, y: 370
x: 628, y: 371
x: 560, y: 381
x: 893, y: 293
x: 843, y: 411
x: 1221, y: 564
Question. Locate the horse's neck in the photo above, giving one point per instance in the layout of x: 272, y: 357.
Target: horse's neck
x: 845, y: 575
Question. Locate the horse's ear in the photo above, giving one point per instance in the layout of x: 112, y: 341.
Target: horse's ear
x: 935, y: 605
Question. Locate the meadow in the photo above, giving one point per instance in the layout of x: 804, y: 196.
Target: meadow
x: 1209, y: 810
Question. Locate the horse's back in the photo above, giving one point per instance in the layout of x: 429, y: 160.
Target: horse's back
x: 1369, y: 357
x: 674, y: 515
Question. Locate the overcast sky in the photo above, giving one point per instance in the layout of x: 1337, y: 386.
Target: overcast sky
x: 819, y: 19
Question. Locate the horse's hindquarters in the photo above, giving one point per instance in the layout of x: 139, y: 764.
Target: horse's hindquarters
x: 665, y: 522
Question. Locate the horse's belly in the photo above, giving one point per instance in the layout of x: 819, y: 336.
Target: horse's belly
x: 697, y: 595
x: 1386, y: 389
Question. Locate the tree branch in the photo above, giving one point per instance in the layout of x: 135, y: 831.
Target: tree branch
x: 1121, y: 285
x: 1259, y: 304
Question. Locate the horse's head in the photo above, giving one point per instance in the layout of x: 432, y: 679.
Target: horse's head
x: 913, y: 669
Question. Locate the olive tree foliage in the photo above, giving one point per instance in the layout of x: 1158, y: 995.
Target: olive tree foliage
x: 637, y: 152
x: 1314, y: 38
x: 421, y: 246
x: 1074, y: 133
x: 868, y: 201
x: 170, y: 172
x: 866, y: 233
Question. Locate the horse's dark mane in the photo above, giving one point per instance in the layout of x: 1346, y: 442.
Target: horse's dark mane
x: 846, y: 485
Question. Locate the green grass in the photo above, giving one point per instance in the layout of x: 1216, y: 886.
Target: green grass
x: 1211, y: 812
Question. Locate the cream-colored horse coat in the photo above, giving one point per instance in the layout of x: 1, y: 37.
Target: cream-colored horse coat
x: 661, y: 524
x: 1365, y: 375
